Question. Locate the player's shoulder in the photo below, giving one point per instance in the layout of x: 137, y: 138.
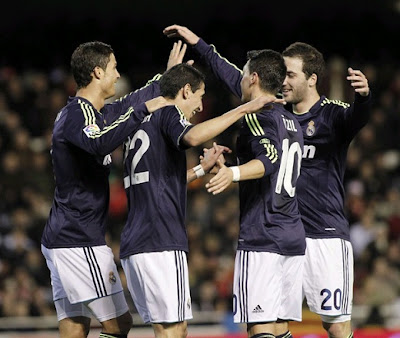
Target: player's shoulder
x: 79, y: 110
x: 76, y: 103
x: 171, y: 113
x: 333, y: 103
x: 274, y: 113
x: 259, y: 122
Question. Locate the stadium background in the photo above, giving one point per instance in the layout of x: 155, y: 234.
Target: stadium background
x: 37, y: 39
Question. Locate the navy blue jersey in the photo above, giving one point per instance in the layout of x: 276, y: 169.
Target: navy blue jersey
x: 328, y: 129
x: 82, y: 141
x: 269, y: 216
x: 155, y: 182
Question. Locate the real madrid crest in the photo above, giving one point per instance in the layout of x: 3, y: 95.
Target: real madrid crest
x: 112, y: 278
x: 311, y: 128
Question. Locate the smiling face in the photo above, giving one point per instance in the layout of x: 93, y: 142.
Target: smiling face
x: 109, y: 77
x: 194, y: 101
x: 295, y: 87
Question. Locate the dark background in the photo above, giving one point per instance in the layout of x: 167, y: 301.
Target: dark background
x: 42, y: 34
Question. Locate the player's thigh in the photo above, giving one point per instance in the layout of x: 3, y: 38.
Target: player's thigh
x: 328, y: 276
x: 159, y: 285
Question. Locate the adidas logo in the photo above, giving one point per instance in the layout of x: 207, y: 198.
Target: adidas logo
x: 258, y: 309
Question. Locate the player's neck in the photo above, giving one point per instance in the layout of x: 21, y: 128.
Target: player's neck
x: 92, y: 96
x: 305, y: 105
x: 257, y: 92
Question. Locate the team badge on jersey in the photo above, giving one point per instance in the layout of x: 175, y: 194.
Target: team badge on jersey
x: 91, y: 130
x: 310, y: 129
x: 112, y: 278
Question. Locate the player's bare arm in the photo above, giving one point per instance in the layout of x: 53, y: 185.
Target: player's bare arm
x: 183, y: 32
x: 358, y: 81
x: 206, y: 130
x: 226, y: 175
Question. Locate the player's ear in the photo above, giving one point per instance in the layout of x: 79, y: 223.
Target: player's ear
x: 97, y: 72
x: 253, y: 78
x: 187, y: 91
x: 312, y: 80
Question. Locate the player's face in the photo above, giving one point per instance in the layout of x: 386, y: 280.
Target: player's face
x: 295, y: 86
x: 245, y: 84
x: 110, y: 77
x: 196, y: 101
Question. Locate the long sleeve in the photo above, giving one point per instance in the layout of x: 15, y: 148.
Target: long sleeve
x: 85, y: 128
x: 224, y: 71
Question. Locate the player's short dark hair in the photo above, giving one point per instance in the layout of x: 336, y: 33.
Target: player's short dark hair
x: 270, y: 67
x: 86, y: 57
x: 177, y: 77
x: 313, y: 60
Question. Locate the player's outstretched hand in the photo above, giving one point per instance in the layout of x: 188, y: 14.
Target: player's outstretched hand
x: 156, y: 103
x: 255, y: 105
x: 209, y: 158
x: 182, y: 32
x: 358, y: 81
x: 221, y: 180
x: 176, y: 54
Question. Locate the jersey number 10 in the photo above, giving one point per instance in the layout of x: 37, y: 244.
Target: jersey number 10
x: 288, y: 166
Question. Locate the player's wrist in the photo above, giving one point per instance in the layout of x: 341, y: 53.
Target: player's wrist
x: 236, y: 173
x: 199, y: 171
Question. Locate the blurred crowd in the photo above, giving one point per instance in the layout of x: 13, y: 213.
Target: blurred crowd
x: 29, y: 103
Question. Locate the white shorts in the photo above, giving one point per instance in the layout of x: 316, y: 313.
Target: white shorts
x: 103, y: 309
x: 267, y: 287
x: 328, y: 278
x: 82, y: 274
x: 159, y: 286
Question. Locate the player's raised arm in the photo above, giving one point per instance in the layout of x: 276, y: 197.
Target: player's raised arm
x: 358, y: 81
x: 177, y: 53
x: 185, y: 33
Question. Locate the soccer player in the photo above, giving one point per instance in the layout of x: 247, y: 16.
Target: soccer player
x: 328, y: 127
x: 269, y: 260
x: 84, y: 276
x: 154, y: 242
